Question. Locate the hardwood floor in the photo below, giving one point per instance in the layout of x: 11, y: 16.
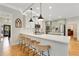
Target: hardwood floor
x: 74, y: 48
x: 15, y: 50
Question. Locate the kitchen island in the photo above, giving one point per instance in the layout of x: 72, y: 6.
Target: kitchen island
x: 59, y: 44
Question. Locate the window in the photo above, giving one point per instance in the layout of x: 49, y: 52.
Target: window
x: 18, y: 23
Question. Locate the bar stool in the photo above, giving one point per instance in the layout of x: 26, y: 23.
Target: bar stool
x: 43, y: 48
x: 30, y: 46
x: 34, y: 44
x: 27, y: 45
x: 21, y: 38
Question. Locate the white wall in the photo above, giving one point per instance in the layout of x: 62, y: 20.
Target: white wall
x: 15, y: 14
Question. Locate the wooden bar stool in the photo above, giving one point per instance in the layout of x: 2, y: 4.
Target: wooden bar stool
x: 34, y: 44
x: 30, y: 47
x: 21, y: 38
x: 27, y: 45
x: 28, y: 42
x: 43, y: 48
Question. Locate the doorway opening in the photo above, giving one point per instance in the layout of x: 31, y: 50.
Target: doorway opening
x: 72, y: 31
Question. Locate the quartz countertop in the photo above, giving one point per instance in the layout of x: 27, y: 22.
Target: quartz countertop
x: 57, y: 38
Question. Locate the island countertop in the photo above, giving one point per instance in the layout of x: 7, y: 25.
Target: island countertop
x: 57, y: 38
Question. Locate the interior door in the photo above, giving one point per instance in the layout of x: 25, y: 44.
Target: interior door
x: 7, y: 30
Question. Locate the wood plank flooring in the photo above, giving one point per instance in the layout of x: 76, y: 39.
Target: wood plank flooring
x: 74, y: 48
x: 16, y: 51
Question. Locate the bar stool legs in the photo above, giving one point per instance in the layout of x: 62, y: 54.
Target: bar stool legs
x: 48, y: 53
x: 42, y: 53
x: 43, y: 49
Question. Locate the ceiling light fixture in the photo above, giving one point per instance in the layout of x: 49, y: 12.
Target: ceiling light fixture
x: 40, y: 18
x: 50, y: 7
x: 37, y: 8
x: 31, y: 16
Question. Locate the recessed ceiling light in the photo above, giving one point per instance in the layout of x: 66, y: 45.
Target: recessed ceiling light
x: 50, y: 7
x: 37, y: 8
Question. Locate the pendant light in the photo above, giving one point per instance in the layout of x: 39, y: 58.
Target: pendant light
x: 40, y: 18
x: 31, y: 16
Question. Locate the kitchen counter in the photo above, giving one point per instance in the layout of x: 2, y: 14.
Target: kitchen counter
x: 58, y: 38
x: 59, y: 44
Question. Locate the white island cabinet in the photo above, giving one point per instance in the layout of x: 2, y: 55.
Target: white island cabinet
x: 59, y: 44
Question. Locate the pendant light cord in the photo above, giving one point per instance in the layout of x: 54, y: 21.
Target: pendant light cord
x: 40, y: 8
x: 40, y: 17
x: 31, y: 12
x: 31, y: 15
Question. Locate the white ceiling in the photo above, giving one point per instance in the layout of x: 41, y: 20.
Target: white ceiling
x: 49, y: 10
x: 18, y: 6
